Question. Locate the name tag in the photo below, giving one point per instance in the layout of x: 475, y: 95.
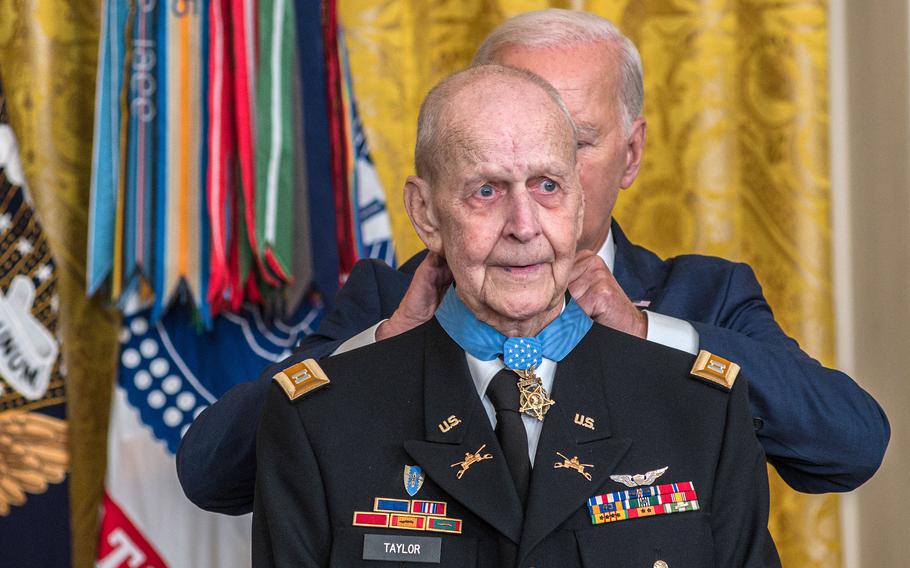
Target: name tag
x: 402, y: 548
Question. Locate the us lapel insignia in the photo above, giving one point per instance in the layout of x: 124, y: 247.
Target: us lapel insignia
x: 535, y: 401
x: 449, y: 423
x: 575, y: 464
x: 470, y: 459
x: 413, y: 479
x: 639, y: 479
x: 301, y: 378
x: 585, y: 421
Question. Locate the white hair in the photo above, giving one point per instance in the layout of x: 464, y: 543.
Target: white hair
x: 558, y: 28
x: 434, y: 134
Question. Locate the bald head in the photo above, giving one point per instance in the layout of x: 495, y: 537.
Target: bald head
x: 450, y: 107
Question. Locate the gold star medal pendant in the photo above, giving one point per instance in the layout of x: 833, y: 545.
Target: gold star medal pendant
x: 523, y: 355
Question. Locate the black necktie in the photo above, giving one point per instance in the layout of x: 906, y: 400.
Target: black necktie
x: 510, y: 430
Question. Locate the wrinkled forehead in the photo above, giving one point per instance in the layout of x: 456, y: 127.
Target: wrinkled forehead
x: 513, y: 129
x: 505, y: 100
x: 503, y: 156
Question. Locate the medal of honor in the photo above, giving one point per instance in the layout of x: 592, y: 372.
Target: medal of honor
x: 534, y: 400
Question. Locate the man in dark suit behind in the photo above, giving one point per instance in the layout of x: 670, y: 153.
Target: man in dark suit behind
x: 819, y: 429
x: 388, y: 452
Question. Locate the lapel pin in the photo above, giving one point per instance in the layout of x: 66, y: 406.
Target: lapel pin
x: 470, y: 459
x: 639, y: 479
x: 573, y: 464
x: 413, y: 479
x: 585, y: 421
x: 449, y: 423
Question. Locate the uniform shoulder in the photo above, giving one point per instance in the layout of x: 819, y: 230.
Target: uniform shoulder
x: 392, y: 357
x: 652, y: 360
x: 381, y: 351
x: 301, y: 378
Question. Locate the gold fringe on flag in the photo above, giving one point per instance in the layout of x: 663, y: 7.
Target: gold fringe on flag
x: 48, y: 59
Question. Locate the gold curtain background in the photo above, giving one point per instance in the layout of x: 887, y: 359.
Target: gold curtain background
x: 48, y: 57
x: 736, y: 162
x: 736, y: 165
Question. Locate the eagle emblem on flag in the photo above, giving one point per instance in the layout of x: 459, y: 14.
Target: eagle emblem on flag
x: 32, y: 454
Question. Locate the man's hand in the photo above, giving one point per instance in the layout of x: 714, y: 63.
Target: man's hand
x: 431, y: 280
x: 598, y: 293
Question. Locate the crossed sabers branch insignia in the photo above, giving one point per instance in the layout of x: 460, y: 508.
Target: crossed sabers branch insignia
x: 470, y: 459
x: 574, y: 464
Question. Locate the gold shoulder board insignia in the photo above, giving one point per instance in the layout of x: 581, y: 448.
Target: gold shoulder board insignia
x: 301, y: 378
x: 715, y: 369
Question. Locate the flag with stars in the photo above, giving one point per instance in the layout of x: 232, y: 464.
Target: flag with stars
x: 170, y: 370
x: 34, y: 460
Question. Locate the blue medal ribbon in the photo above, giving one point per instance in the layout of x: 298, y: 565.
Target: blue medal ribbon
x: 481, y: 340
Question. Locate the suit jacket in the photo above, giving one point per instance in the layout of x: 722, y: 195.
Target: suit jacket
x: 820, y: 430
x: 333, y: 451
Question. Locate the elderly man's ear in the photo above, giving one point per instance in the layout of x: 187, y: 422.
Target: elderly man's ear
x: 419, y: 204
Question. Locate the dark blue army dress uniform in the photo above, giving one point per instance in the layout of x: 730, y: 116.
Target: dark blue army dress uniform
x: 404, y: 414
x: 819, y: 429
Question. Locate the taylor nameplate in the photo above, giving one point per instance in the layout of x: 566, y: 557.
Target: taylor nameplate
x: 402, y: 548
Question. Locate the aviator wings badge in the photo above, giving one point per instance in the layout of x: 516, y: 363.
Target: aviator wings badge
x: 413, y: 479
x: 638, y: 479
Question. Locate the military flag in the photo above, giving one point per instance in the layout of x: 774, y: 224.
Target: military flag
x: 34, y: 459
x: 235, y: 155
x: 171, y: 370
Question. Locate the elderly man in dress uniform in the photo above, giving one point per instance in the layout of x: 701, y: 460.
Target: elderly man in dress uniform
x: 818, y: 428
x: 509, y: 429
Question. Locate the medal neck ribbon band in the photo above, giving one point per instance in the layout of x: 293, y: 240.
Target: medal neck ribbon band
x: 481, y: 340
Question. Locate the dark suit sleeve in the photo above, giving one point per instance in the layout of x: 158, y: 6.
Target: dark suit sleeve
x: 820, y: 430
x: 372, y: 293
x: 216, y: 462
x: 740, y: 497
x: 290, y: 516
